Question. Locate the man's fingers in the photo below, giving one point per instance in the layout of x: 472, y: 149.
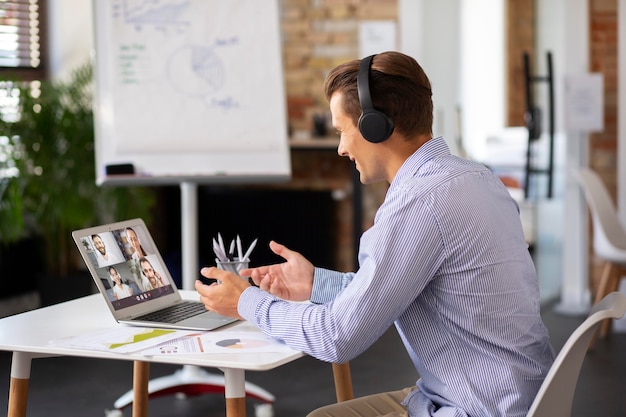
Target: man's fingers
x: 275, y: 288
x: 282, y: 250
x: 262, y: 282
x: 254, y: 273
x: 265, y: 282
x: 213, y: 272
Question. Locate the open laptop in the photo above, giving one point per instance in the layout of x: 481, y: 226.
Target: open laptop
x: 135, y: 282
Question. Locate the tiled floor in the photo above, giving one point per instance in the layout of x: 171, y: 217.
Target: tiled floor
x: 61, y: 387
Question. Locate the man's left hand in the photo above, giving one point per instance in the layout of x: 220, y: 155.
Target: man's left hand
x: 223, y: 297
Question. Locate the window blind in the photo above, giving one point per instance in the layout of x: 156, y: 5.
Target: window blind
x: 22, y: 39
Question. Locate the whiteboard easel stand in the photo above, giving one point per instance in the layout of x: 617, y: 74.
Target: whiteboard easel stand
x: 191, y: 380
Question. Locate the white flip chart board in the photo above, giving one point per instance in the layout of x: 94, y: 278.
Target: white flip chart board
x: 190, y: 88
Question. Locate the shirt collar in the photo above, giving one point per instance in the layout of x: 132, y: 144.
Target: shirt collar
x: 433, y: 148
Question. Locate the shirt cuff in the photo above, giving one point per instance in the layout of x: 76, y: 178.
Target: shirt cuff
x: 326, y: 285
x: 249, y: 302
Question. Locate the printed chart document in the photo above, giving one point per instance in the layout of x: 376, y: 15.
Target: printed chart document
x: 219, y: 342
x: 151, y: 341
x: 122, y: 339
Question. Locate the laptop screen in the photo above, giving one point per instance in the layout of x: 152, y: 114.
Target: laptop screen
x: 128, y: 266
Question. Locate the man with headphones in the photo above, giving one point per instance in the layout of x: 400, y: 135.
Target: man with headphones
x: 445, y: 262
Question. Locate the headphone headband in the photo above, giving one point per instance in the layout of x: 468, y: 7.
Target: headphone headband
x: 363, y: 84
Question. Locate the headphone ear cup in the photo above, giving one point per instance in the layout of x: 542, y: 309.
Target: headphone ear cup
x: 375, y: 126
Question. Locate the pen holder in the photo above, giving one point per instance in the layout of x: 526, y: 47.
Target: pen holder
x: 233, y: 266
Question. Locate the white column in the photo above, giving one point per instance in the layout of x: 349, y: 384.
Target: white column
x: 563, y: 29
x: 621, y: 108
x: 189, y: 233
x: 620, y: 325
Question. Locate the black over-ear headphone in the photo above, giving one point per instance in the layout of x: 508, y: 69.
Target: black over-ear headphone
x: 375, y: 126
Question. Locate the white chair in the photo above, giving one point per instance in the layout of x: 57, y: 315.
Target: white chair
x: 609, y: 235
x: 556, y: 395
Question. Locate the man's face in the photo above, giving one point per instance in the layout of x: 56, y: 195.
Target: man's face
x: 354, y: 146
x: 99, y: 244
x: 134, y: 240
x: 148, y: 271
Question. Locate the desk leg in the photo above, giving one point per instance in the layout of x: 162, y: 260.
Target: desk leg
x: 18, y: 391
x: 191, y: 380
x: 141, y: 375
x: 235, y: 392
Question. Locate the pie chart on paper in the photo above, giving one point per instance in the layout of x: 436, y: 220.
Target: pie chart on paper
x: 242, y: 343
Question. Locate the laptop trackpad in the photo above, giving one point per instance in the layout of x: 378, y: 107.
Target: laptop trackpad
x: 208, y: 321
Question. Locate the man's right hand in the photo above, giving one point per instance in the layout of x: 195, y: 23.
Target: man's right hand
x: 291, y: 280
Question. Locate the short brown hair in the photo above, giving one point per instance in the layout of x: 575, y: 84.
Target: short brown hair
x: 399, y: 88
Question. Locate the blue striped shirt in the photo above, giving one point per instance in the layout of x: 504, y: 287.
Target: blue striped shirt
x: 446, y: 261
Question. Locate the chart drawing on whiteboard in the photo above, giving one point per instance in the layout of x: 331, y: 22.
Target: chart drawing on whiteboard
x: 196, y: 70
x: 161, y: 14
x: 194, y: 81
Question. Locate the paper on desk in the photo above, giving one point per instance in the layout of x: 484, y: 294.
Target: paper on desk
x: 219, y: 342
x: 122, y: 339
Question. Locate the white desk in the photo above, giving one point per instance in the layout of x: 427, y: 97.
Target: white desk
x: 27, y: 336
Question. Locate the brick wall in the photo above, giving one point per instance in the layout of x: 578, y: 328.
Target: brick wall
x: 603, y: 28
x: 317, y: 36
x: 520, y: 38
x: 603, y: 59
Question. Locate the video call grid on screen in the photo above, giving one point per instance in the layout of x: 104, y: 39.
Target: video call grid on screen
x: 127, y: 253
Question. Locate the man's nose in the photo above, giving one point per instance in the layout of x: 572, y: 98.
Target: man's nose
x: 341, y: 150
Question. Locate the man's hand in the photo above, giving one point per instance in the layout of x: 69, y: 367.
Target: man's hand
x: 222, y: 298
x: 291, y: 280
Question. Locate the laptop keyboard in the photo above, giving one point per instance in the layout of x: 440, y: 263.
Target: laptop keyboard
x: 175, y: 313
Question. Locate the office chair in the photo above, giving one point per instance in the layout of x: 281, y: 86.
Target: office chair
x: 556, y: 395
x: 609, y: 235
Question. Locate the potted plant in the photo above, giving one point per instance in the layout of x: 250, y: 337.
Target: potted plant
x: 47, y: 168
